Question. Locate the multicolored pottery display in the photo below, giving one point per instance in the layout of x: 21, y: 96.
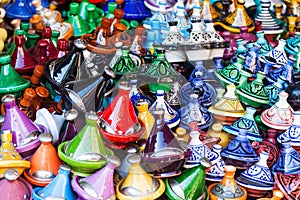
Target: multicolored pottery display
x: 14, y: 187
x: 227, y: 188
x: 280, y: 116
x: 190, y: 184
x: 118, y: 122
x: 9, y: 157
x: 138, y: 184
x: 228, y: 109
x: 85, y: 152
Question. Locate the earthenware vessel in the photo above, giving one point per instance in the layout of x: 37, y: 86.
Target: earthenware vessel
x: 227, y: 188
x: 292, y: 131
x: 44, y: 163
x: 230, y: 74
x: 25, y: 103
x: 171, y: 116
x: 15, y: 187
x: 41, y: 9
x: 216, y: 172
x: 216, y: 131
x: 237, y: 18
x: 273, y: 90
x: 205, y: 91
x: 286, y: 71
x: 118, y: 122
x: 190, y: 184
x: 240, y: 49
x: 136, y: 94
x: 288, y: 184
x: 71, y: 130
x: 228, y: 108
x: 288, y: 162
x: 19, y: 9
x: 21, y: 60
x: 252, y: 62
x: 239, y: 146
x: 80, y: 27
x: 199, y: 150
x: 257, y: 179
x: 68, y: 68
x: 10, y: 158
x: 88, y: 94
x: 205, y: 74
x: 86, y: 151
x: 245, y: 122
x: 59, y: 187
x: 98, y: 185
x: 138, y: 184
x: 253, y: 93
x: 145, y: 116
x: 161, y: 74
x: 162, y: 142
x: 278, y: 53
x: 279, y: 116
x: 24, y: 131
x: 265, y: 46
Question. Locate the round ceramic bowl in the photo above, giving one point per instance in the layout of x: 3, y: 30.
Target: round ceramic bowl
x: 155, y: 195
x: 18, y: 165
x: 254, y: 189
x: 214, y: 197
x: 33, y: 178
x: 271, y: 124
x: 121, y: 141
x: 81, y: 168
x: 173, y: 196
x: 164, y: 163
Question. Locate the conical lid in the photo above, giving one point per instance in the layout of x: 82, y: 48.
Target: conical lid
x: 14, y: 187
x: 88, y: 144
x: 190, y: 184
x: 229, y: 105
x: 88, y: 94
x: 246, y: 122
x: 21, y: 60
x: 216, y: 172
x: 23, y: 129
x: 19, y: 9
x: 60, y: 186
x: 100, y: 184
x: 44, y: 163
x: 10, y: 80
x: 280, y: 115
x: 138, y: 183
x: 240, y: 147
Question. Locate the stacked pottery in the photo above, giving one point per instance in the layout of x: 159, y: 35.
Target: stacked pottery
x: 246, y: 122
x: 237, y: 148
x: 163, y: 155
x: 190, y: 184
x: 9, y: 157
x: 44, y: 163
x: 118, y: 122
x: 14, y: 187
x: 138, y: 184
x: 257, y: 179
x: 86, y: 152
x: 227, y: 109
x: 279, y: 116
x: 98, y: 185
x: 227, y: 188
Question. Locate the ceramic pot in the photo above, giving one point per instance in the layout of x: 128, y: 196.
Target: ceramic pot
x: 44, y: 163
x: 227, y: 188
x: 138, y: 184
x: 71, y: 130
x: 118, y: 122
x: 19, y: 10
x: 162, y: 142
x: 288, y: 184
x: 274, y: 89
x: 265, y: 46
x: 14, y: 187
x: 216, y: 132
x: 98, y: 185
x: 190, y: 184
x: 145, y: 116
x: 60, y: 186
x: 216, y: 172
x: 86, y: 151
x: 10, y: 81
x: 239, y: 147
x: 279, y: 116
x: 10, y: 158
x: 228, y: 108
x: 25, y: 132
